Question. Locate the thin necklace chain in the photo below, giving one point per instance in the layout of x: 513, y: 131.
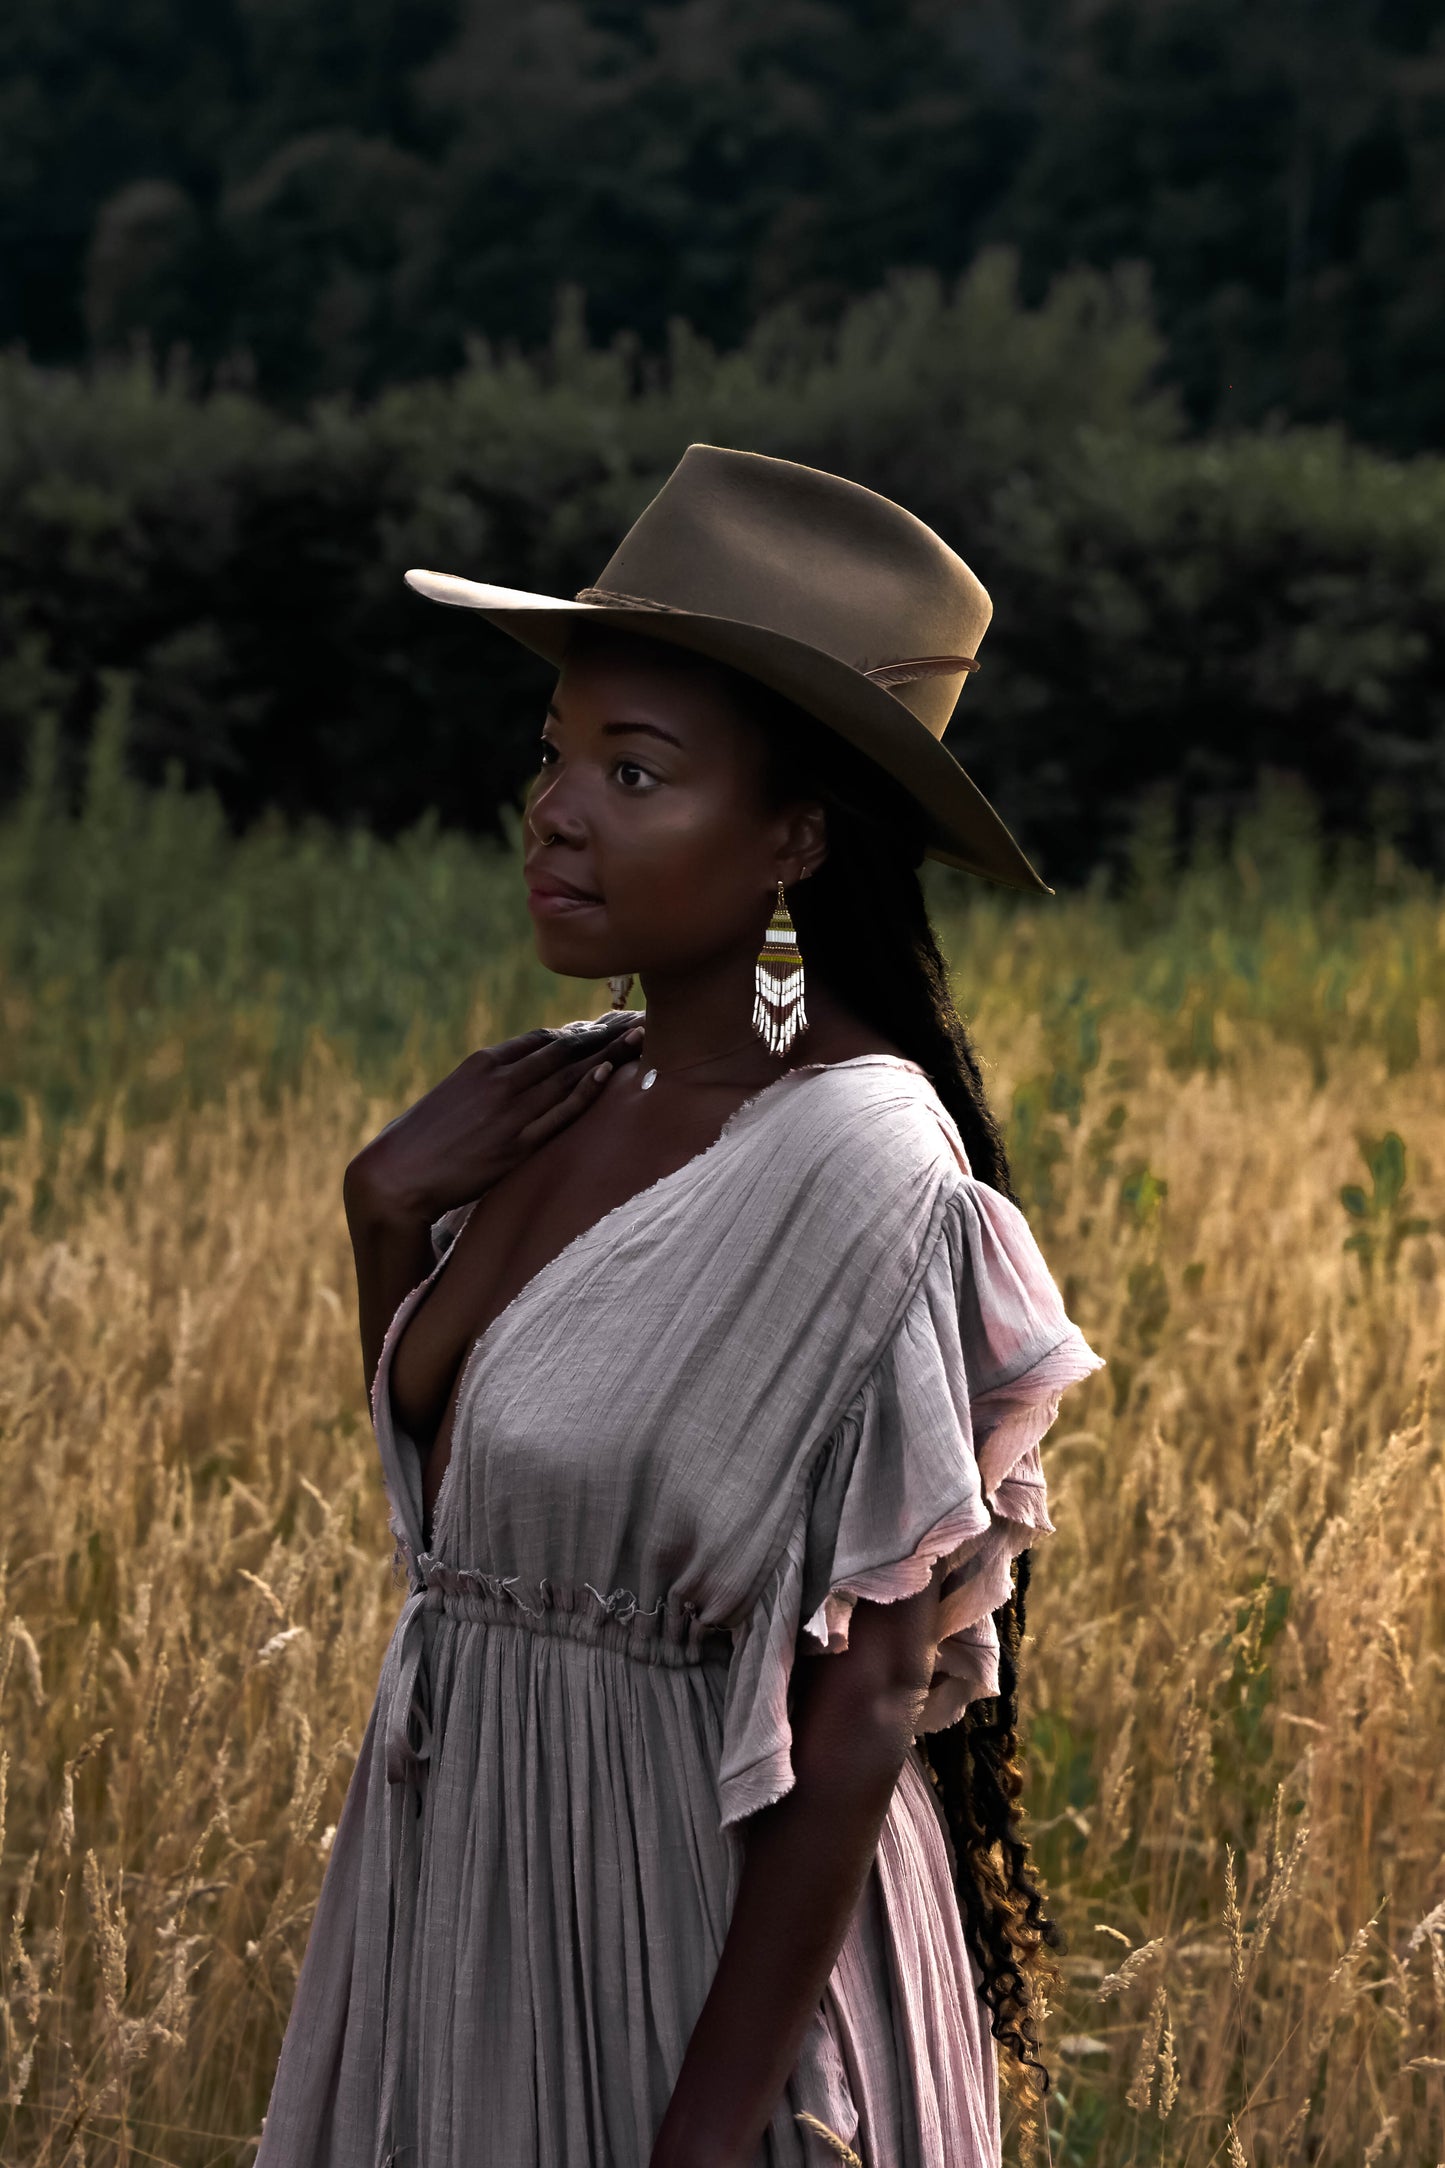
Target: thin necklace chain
x: 650, y: 1078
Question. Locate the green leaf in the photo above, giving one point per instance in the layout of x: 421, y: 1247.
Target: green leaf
x: 1385, y: 1157
x: 1143, y: 1192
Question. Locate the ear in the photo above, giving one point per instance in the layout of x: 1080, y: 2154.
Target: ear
x: 804, y: 843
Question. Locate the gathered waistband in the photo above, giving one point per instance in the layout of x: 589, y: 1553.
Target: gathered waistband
x: 669, y: 1633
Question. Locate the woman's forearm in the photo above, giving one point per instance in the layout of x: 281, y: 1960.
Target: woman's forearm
x: 391, y: 1246
x: 807, y: 1860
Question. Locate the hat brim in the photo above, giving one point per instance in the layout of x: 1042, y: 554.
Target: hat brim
x: 963, y: 830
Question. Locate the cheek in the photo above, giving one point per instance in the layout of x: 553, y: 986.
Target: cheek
x: 683, y: 865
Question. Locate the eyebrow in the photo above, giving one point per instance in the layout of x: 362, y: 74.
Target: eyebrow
x: 620, y: 729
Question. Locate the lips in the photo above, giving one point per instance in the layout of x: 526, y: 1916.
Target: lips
x: 550, y: 884
x: 553, y: 894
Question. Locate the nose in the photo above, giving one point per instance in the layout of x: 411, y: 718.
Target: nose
x: 551, y: 811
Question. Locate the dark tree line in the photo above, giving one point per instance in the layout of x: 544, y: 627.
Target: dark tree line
x: 1168, y: 610
x: 323, y: 195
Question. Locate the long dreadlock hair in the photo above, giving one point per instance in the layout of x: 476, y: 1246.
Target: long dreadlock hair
x: 863, y: 928
x: 864, y: 932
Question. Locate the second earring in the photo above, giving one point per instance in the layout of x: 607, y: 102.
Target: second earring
x: 778, y: 1011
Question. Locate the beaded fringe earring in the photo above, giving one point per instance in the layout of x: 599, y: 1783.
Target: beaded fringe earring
x: 621, y: 984
x: 778, y: 1012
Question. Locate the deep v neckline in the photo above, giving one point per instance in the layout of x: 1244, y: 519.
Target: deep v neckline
x: 651, y: 1189
x: 480, y: 1343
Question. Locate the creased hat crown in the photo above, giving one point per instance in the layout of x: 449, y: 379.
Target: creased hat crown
x: 809, y: 555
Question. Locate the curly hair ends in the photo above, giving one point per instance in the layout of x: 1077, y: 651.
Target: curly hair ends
x: 975, y: 1768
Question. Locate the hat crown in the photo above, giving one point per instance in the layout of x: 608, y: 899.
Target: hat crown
x: 767, y: 542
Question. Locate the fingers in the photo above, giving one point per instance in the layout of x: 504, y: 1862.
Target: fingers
x: 587, y: 1088
x: 563, y: 1051
x: 526, y: 1042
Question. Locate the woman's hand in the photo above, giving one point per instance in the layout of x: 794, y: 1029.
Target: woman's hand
x: 492, y: 1112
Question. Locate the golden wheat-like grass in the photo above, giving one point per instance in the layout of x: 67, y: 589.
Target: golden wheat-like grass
x: 1234, y: 1666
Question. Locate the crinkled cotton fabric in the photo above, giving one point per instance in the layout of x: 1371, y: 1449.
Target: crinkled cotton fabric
x: 793, y: 1374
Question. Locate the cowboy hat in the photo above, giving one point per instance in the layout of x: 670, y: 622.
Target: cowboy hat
x: 831, y: 595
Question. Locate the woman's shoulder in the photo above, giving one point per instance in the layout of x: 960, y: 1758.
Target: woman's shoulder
x: 870, y: 1112
x: 847, y: 1038
x: 873, y: 1119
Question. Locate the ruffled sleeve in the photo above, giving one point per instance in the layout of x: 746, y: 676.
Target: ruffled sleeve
x: 937, y: 1456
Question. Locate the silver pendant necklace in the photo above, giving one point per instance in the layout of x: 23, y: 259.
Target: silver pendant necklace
x: 649, y: 1076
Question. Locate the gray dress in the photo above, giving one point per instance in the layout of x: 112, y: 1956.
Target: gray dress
x: 794, y: 1373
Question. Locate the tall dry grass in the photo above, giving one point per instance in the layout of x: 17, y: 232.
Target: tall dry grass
x: 1236, y: 1642
x: 1236, y: 1677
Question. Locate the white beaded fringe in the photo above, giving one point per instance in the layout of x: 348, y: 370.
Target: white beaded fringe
x: 778, y: 1011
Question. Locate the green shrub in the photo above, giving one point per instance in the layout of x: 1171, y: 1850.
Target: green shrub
x: 1167, y: 612
x: 149, y: 955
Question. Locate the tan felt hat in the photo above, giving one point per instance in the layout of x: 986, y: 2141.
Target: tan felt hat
x: 832, y: 595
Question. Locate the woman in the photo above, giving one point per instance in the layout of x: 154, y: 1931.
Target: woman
x: 703, y: 1342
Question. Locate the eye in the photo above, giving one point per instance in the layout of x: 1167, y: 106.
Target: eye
x: 625, y: 770
x: 547, y: 754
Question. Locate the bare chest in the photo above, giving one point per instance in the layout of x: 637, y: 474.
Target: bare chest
x: 525, y: 1221
x: 520, y: 1226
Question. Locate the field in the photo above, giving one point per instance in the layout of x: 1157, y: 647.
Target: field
x: 1224, y: 1096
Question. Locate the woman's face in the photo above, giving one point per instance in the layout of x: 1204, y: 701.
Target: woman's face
x: 650, y: 799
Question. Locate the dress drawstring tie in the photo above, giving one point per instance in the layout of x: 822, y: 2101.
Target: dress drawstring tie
x: 407, y: 1747
x: 408, y: 1702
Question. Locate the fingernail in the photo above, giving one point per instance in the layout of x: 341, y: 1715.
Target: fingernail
x: 635, y: 1033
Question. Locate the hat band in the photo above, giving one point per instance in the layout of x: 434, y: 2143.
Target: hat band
x: 885, y: 674
x: 615, y: 599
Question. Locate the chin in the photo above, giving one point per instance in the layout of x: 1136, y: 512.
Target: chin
x: 569, y: 959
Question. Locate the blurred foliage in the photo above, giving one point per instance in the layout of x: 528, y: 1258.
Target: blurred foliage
x: 1167, y: 611
x: 149, y: 956
x: 334, y: 196
x: 146, y: 952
